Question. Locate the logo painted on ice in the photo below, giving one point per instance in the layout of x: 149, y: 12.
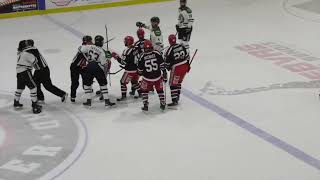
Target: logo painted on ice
x: 289, y: 58
x: 38, y: 147
x: 303, y: 9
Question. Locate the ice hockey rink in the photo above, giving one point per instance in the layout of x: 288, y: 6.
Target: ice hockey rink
x: 249, y: 110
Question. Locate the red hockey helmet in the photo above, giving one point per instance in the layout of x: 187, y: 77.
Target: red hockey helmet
x: 128, y: 41
x: 148, y: 46
x: 140, y: 33
x: 172, y: 39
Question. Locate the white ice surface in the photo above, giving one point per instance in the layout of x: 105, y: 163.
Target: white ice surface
x: 191, y: 143
x: 2, y: 136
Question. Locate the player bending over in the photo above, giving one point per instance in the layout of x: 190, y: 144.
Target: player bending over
x: 42, y: 76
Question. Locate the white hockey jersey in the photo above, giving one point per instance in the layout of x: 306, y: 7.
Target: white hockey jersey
x: 26, y: 61
x: 185, y: 19
x: 156, y: 38
x: 94, y: 53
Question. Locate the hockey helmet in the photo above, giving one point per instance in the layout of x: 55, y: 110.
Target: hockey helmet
x: 86, y: 39
x: 183, y: 3
x: 98, y: 40
x: 23, y: 44
x: 155, y: 19
x: 31, y: 42
x: 128, y: 41
x: 148, y: 46
x: 172, y: 39
x: 140, y: 33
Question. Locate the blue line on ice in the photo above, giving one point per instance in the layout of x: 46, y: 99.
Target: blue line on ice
x: 297, y: 153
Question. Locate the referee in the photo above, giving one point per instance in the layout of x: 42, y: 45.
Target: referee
x: 42, y: 76
x: 78, y: 67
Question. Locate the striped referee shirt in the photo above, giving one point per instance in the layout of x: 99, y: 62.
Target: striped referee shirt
x: 41, y: 62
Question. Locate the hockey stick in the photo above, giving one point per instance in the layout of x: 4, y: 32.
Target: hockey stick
x: 116, y: 72
x: 165, y: 92
x: 194, y: 54
x: 107, y: 39
x: 164, y: 48
x: 110, y: 40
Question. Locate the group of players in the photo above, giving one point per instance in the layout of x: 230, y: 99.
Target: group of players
x: 144, y: 63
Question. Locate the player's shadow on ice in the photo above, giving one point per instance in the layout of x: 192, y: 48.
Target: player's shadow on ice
x: 137, y: 115
x: 128, y: 111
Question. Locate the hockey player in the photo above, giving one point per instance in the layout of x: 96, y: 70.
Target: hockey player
x: 26, y: 62
x: 155, y: 33
x: 97, y: 59
x: 177, y: 61
x: 152, y: 69
x: 77, y: 67
x: 138, y: 45
x: 185, y: 23
x: 42, y: 75
x: 130, y: 74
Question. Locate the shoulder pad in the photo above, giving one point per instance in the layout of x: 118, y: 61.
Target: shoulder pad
x: 128, y: 51
x: 188, y: 10
x: 157, y: 52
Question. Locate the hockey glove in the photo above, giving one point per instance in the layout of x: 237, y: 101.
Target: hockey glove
x: 83, y: 64
x: 108, y: 54
x: 140, y: 24
x: 115, y: 55
x: 177, y: 28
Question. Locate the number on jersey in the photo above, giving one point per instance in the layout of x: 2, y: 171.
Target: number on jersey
x: 151, y: 65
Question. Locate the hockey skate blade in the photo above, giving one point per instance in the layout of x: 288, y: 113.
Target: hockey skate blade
x: 110, y: 107
x: 173, y: 107
x: 41, y: 102
x: 87, y: 107
x: 145, y: 112
x: 18, y: 108
x: 128, y: 101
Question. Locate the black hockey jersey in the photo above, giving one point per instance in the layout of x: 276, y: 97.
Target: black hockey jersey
x: 151, y: 65
x: 41, y: 62
x: 79, y: 60
x: 176, y: 55
x: 128, y: 60
x: 139, y: 48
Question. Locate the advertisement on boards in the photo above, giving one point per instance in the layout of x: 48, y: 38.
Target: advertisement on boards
x: 11, y: 6
x: 51, y: 4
